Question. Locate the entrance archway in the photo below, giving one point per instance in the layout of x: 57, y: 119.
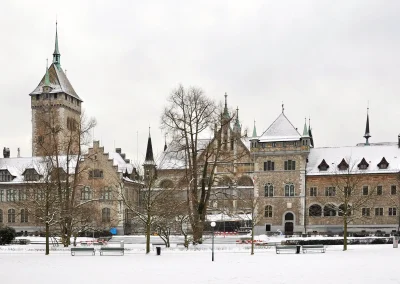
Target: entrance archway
x: 289, y: 223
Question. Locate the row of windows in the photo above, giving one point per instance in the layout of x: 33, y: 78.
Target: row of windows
x: 316, y: 210
x: 277, y: 144
x: 55, y: 96
x: 331, y: 190
x: 288, y: 190
x: 87, y: 193
x: 96, y: 173
x: 288, y: 165
x: 11, y: 214
x: 363, y: 165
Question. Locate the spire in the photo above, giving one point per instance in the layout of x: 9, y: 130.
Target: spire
x: 283, y: 108
x: 237, y: 128
x: 309, y: 132
x: 226, y: 113
x: 254, y: 130
x: 367, y: 135
x: 47, y: 77
x: 149, y: 151
x: 305, y: 130
x: 56, y: 53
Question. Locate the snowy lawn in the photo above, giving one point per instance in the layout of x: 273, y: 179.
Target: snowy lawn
x: 360, y: 264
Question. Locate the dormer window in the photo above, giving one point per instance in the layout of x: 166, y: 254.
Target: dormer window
x: 323, y: 166
x: 363, y: 165
x: 5, y: 176
x: 31, y: 175
x: 343, y: 165
x: 383, y: 164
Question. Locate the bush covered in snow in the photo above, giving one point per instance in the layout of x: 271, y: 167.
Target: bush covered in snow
x: 7, y: 234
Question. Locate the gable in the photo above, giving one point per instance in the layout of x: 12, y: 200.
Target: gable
x: 280, y: 130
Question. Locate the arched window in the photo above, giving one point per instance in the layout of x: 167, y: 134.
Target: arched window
x: 224, y: 181
x: 342, y: 210
x: 11, y: 215
x: 1, y: 216
x: 245, y: 181
x: 24, y: 216
x: 86, y: 193
x: 329, y: 210
x: 289, y: 189
x: 289, y: 216
x: 269, y: 190
x: 268, y: 211
x: 315, y: 210
x: 105, y: 215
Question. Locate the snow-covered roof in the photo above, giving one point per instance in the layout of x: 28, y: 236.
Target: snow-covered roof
x: 17, y: 166
x: 58, y: 81
x: 353, y: 155
x: 246, y: 142
x: 280, y: 130
x: 120, y: 163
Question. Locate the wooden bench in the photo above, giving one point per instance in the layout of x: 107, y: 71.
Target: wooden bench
x: 111, y: 250
x: 83, y: 250
x: 317, y: 248
x: 288, y: 248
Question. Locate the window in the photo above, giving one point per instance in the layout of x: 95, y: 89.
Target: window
x: 393, y: 190
x: 105, y: 215
x: 273, y: 144
x: 2, y: 199
x: 37, y: 97
x: 290, y: 165
x: 393, y: 211
x: 232, y: 144
x: 106, y: 195
x: 1, y: 216
x: 31, y: 175
x: 96, y: 173
x: 24, y: 216
x: 347, y: 191
x: 22, y: 195
x: 323, y: 166
x: 268, y: 211
x: 365, y: 212
x: 343, y: 165
x: 289, y: 189
x: 379, y: 190
x: 295, y: 144
x: 268, y: 227
x: 269, y: 190
x: 313, y: 191
x: 11, y: 215
x: 39, y: 194
x: 86, y: 193
x: 269, y: 166
x: 330, y: 191
x: 66, y: 97
x: 383, y: 164
x: 342, y: 210
x: 5, y: 176
x: 378, y: 211
x: 10, y: 195
x: 315, y: 210
x: 365, y: 190
x: 363, y: 165
x: 329, y: 210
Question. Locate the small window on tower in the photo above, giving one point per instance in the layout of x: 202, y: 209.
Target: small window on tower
x: 66, y: 97
x: 37, y: 97
x: 55, y: 96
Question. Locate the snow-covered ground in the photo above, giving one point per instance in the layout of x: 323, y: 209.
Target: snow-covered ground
x: 366, y: 264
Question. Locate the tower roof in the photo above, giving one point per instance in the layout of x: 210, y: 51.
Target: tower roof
x: 226, y: 112
x: 56, y: 53
x: 367, y: 135
x: 58, y: 81
x: 280, y: 130
x: 305, y: 130
x: 254, y: 130
x: 149, y: 152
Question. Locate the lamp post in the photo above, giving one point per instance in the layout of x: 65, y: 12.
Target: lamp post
x: 213, y: 226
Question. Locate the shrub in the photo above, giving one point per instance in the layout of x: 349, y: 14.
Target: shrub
x: 7, y: 234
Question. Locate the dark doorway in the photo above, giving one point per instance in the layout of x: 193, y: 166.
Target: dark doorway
x: 289, y: 228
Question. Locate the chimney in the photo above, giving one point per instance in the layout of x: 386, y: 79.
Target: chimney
x: 118, y: 150
x: 19, y: 153
x: 6, y: 152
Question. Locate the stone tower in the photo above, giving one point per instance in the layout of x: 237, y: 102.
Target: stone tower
x: 56, y: 112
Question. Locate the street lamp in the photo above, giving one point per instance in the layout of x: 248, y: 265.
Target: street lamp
x: 213, y: 226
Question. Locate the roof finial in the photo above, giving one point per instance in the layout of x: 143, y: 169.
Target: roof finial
x: 226, y: 113
x: 149, y: 130
x: 283, y: 108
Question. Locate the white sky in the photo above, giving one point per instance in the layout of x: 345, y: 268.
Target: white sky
x: 324, y: 59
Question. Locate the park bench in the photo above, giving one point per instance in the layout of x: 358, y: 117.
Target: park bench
x: 317, y: 248
x: 82, y: 250
x: 111, y: 250
x: 286, y: 248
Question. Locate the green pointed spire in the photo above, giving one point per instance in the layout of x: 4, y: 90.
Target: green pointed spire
x: 254, y: 130
x: 305, y: 130
x: 47, y: 77
x: 56, y: 53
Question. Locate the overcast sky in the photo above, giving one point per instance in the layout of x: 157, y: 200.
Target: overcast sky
x: 324, y: 59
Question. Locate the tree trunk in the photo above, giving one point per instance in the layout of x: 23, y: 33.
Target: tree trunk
x: 198, y: 230
x: 345, y: 232
x: 47, y: 238
x: 148, y: 227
